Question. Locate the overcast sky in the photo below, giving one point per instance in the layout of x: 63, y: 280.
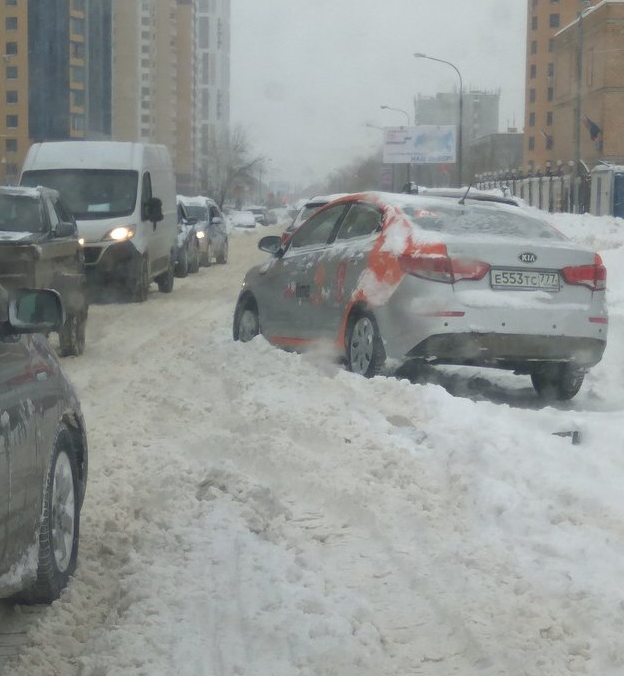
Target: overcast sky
x: 307, y: 75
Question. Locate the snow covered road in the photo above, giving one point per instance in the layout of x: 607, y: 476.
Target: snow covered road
x: 254, y: 512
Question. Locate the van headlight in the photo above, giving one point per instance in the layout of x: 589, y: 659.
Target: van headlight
x: 120, y: 234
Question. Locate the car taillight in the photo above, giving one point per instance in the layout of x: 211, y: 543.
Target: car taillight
x: 433, y: 262
x: 593, y: 276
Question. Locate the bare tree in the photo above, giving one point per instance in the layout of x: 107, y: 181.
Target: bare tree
x: 233, y: 168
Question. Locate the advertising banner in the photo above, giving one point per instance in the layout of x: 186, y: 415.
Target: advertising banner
x: 424, y: 144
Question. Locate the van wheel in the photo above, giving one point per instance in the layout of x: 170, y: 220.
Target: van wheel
x: 140, y: 286
x: 72, y: 335
x: 165, y: 280
x: 59, y: 531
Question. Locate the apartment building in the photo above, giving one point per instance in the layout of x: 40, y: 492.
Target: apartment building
x: 589, y: 92
x: 185, y: 102
x: 546, y: 18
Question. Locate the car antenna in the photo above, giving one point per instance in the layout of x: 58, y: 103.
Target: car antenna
x: 463, y: 199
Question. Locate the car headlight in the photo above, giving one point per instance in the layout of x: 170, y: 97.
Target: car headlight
x: 200, y: 234
x: 81, y: 241
x: 120, y: 234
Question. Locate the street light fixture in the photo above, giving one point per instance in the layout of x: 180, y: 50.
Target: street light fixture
x: 418, y: 55
x: 400, y: 110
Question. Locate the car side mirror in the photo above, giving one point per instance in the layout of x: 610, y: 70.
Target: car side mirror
x: 271, y: 244
x: 35, y: 311
x: 153, y: 210
x: 64, y: 229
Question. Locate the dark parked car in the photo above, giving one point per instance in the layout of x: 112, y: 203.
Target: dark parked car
x: 43, y: 463
x: 210, y: 228
x: 40, y: 248
x: 187, y: 244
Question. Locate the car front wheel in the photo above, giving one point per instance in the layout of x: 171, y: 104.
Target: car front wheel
x: 246, y: 321
x: 59, y: 530
x: 557, y: 381
x: 364, y: 350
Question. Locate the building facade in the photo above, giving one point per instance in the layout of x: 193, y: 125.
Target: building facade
x: 546, y: 18
x: 589, y: 91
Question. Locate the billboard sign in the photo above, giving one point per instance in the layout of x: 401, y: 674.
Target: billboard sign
x: 424, y: 144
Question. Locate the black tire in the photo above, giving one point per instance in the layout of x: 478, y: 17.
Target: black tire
x: 364, y: 349
x: 182, y: 263
x: 222, y: 258
x: 165, y: 280
x: 72, y: 335
x: 140, y: 282
x: 559, y: 381
x: 193, y: 257
x: 60, y: 524
x: 246, y: 321
x: 206, y: 257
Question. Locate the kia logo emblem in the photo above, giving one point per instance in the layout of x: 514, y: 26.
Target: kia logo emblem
x: 527, y: 257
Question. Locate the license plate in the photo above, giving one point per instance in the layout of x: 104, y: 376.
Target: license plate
x: 531, y: 280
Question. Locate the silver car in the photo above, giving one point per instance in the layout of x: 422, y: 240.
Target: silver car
x: 43, y: 463
x: 388, y: 278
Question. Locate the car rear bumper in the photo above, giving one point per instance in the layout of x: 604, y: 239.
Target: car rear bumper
x: 512, y: 351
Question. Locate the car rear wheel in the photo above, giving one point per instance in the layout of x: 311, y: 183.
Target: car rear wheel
x: 182, y: 263
x: 364, y: 350
x: 558, y: 381
x: 165, y: 280
x: 193, y: 257
x: 246, y: 321
x: 59, y: 530
x: 72, y: 335
x: 222, y: 258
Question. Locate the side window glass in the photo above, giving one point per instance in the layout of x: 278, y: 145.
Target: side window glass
x: 63, y: 213
x: 146, y: 195
x: 360, y: 221
x: 318, y: 228
x: 52, y: 215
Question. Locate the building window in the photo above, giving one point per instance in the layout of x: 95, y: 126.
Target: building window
x: 549, y: 119
x: 10, y: 23
x: 534, y: 23
x: 78, y: 5
x: 553, y: 21
x: 11, y: 72
x: 11, y: 3
x: 533, y: 46
x: 76, y: 26
x: 531, y: 119
x: 12, y: 121
x: 532, y: 95
x: 77, y: 74
x: 533, y: 71
x: 550, y: 93
x: 554, y: 2
x: 551, y: 45
x: 10, y: 48
x: 550, y: 70
x: 77, y: 50
x: 203, y: 28
x: 549, y: 142
x: 77, y: 98
x: 11, y: 96
x: 534, y: 4
x: 10, y: 145
x: 77, y: 122
x: 531, y: 143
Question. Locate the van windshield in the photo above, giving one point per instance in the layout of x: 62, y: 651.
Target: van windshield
x: 90, y: 193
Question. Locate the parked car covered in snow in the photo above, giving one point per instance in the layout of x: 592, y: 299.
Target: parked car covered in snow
x: 40, y: 248
x: 243, y: 219
x: 187, y: 246
x: 210, y: 228
x: 43, y: 464
x: 432, y: 280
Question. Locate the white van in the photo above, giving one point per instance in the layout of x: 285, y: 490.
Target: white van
x: 124, y: 200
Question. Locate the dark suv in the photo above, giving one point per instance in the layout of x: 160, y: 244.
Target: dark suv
x: 40, y: 249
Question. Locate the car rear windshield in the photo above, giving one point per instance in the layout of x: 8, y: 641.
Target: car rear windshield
x: 90, y: 193
x: 20, y: 214
x: 480, y: 221
x: 197, y: 211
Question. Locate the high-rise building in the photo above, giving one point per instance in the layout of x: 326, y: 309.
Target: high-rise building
x: 589, y: 91
x: 50, y: 75
x: 545, y: 19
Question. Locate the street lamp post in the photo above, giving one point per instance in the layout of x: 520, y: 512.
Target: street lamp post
x: 418, y: 55
x: 407, y: 117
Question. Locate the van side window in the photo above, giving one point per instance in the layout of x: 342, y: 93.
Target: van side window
x: 146, y: 195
